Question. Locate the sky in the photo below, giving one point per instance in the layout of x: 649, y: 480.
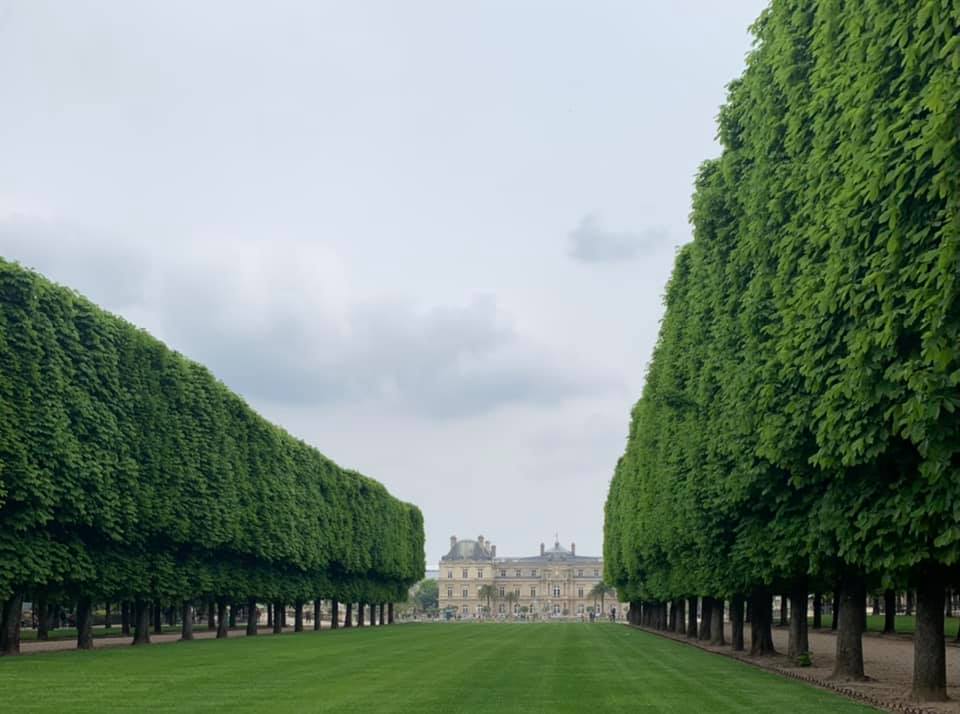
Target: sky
x: 430, y: 238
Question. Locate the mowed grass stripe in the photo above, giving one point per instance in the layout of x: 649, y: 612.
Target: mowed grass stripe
x: 411, y: 668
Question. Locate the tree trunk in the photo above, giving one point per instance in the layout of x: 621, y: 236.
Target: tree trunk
x: 84, y: 624
x: 211, y: 616
x: 125, y: 618
x: 170, y: 616
x: 929, y: 649
x: 390, y: 615
x: 348, y: 616
x: 252, y: 617
x: 270, y: 615
x: 106, y: 616
x: 157, y: 621
x: 835, y: 609
x: 186, y: 627
x: 948, y: 610
x: 43, y: 619
x: 679, y: 620
x: 716, y: 623
x: 889, y: 612
x: 141, y: 624
x: 361, y: 614
x: 817, y: 611
x: 692, y: 618
x: 908, y: 610
x: 736, y: 622
x: 382, y: 609
x: 222, y: 630
x: 798, y: 643
x: 298, y: 616
x: 761, y: 622
x: 784, y: 617
x: 706, y: 616
x: 232, y: 616
x: 277, y: 621
x: 849, y: 659
x: 316, y: 614
x: 10, y: 625
x: 334, y: 614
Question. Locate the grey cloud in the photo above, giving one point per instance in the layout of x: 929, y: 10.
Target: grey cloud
x: 268, y: 331
x: 591, y: 242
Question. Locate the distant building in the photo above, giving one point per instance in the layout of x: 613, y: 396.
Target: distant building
x: 557, y: 582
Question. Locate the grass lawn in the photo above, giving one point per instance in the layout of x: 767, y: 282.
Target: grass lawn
x: 905, y: 624
x: 497, y: 668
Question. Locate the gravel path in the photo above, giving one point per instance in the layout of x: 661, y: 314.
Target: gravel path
x: 200, y: 633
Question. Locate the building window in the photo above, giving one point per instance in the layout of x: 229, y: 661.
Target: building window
x: 556, y: 609
x: 579, y: 592
x: 517, y: 593
x: 449, y: 573
x: 503, y: 572
x: 450, y: 593
x: 480, y: 573
x: 556, y: 591
x: 516, y: 609
x: 465, y: 610
x: 596, y: 573
x: 533, y: 572
x: 466, y: 573
x: 533, y: 592
x: 500, y: 608
x: 466, y: 593
x: 502, y: 591
x: 517, y: 572
x: 580, y: 573
x: 579, y: 609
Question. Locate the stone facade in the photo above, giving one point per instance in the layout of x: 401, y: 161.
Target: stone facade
x: 555, y: 583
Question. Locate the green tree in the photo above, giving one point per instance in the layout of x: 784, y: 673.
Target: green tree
x: 130, y: 474
x: 427, y: 596
x: 488, y: 593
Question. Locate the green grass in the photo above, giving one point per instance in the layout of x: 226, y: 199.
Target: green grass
x: 905, y: 624
x: 497, y: 668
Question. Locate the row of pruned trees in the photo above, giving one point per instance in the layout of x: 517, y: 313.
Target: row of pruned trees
x: 129, y: 474
x: 798, y: 430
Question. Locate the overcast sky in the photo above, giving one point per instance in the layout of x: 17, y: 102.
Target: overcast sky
x: 430, y: 238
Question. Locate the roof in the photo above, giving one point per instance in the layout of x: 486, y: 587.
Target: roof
x: 553, y: 555
x: 468, y: 550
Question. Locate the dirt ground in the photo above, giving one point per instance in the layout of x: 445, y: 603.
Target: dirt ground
x: 200, y: 633
x: 887, y: 660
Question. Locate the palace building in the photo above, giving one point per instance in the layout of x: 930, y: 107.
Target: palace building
x: 556, y: 583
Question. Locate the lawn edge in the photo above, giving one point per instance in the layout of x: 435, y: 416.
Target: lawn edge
x: 877, y: 703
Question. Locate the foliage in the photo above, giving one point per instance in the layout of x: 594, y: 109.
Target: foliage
x: 128, y: 471
x: 799, y: 415
x: 427, y: 595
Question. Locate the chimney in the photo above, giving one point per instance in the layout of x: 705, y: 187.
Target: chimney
x: 541, y: 549
x: 453, y: 542
x: 493, y: 551
x: 573, y: 549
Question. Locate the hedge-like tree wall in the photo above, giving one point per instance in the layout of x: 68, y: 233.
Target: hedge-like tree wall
x: 129, y: 473
x: 798, y: 430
